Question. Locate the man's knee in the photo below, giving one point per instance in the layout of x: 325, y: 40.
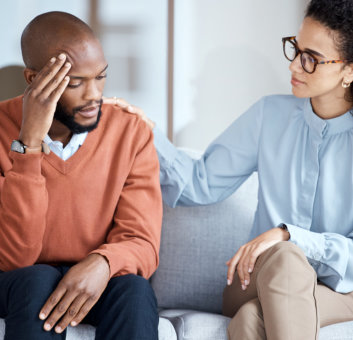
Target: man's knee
x: 134, y: 290
x: 31, y: 286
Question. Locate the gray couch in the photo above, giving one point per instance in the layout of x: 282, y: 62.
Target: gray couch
x: 196, y: 243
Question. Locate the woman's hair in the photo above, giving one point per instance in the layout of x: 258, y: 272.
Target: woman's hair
x: 337, y: 15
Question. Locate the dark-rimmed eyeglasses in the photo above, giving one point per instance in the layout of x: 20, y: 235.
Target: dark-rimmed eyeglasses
x: 307, y: 59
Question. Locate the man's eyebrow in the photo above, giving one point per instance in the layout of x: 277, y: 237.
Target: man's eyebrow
x: 77, y: 77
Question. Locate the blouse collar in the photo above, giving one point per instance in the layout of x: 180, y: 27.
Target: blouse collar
x: 327, y: 127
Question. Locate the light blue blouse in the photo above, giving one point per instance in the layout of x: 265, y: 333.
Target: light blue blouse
x: 305, y: 170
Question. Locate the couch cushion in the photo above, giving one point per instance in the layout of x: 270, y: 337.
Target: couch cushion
x: 338, y: 331
x: 197, y: 325
x: 192, y: 325
x: 196, y: 243
x: 86, y: 332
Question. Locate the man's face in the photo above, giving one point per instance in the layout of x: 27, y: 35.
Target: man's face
x: 82, y: 99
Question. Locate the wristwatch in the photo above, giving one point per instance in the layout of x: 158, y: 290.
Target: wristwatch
x: 19, y: 147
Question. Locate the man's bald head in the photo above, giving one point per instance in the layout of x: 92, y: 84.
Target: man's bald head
x: 50, y: 33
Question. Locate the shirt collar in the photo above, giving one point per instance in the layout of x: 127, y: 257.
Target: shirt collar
x: 76, y: 140
x: 327, y: 127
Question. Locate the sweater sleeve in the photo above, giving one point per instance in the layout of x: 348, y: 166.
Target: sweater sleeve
x: 133, y: 243
x: 23, y: 208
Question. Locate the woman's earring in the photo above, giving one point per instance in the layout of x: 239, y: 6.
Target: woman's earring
x: 345, y: 84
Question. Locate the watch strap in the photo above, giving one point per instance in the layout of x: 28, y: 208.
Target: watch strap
x: 19, y: 147
x: 32, y: 149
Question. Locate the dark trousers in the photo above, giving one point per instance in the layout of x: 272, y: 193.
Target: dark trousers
x: 127, y: 309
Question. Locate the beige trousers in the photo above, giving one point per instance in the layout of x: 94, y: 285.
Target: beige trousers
x: 284, y: 300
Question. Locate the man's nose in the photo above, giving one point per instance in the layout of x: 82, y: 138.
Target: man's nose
x: 93, y: 92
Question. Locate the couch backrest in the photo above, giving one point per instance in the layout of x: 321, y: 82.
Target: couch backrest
x: 196, y: 243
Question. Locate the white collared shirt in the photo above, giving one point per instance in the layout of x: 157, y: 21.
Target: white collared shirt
x: 66, y: 152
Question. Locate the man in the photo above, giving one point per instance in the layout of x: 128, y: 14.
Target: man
x: 80, y: 225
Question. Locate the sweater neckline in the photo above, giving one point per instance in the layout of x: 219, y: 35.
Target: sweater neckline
x: 66, y: 166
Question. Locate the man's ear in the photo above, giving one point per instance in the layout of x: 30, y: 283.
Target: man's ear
x: 29, y: 75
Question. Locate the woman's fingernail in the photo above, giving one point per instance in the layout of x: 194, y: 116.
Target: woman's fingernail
x: 62, y: 56
x: 47, y: 327
x: 73, y: 323
x: 58, y: 329
x: 52, y: 59
x: 229, y: 282
x: 42, y: 316
x: 243, y: 287
x: 246, y: 282
x: 249, y: 270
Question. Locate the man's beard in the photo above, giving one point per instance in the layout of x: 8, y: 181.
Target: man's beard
x: 69, y: 119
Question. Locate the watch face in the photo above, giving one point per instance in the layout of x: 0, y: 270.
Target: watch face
x: 17, y: 146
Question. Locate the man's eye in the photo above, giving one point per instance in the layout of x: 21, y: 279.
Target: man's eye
x: 101, y: 77
x: 74, y: 85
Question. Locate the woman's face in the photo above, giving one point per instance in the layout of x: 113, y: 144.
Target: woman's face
x: 327, y: 78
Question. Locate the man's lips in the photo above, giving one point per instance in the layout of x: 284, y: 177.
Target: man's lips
x: 296, y: 82
x: 89, y: 112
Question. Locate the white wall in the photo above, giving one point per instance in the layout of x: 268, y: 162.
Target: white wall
x: 16, y: 14
x: 228, y: 54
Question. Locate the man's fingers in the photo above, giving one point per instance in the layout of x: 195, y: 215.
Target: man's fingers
x: 56, y: 94
x: 56, y: 81
x: 71, y: 313
x: 48, y: 72
x: 84, y: 310
x: 52, y: 301
x: 59, y: 310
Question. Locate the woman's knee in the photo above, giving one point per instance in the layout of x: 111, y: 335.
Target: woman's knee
x: 284, y: 256
x: 247, y: 322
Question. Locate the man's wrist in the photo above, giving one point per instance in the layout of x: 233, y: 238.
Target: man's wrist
x: 20, y: 147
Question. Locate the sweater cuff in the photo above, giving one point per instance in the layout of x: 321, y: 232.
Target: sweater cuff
x: 30, y: 164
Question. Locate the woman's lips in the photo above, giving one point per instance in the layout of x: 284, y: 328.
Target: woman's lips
x: 89, y: 112
x: 296, y: 82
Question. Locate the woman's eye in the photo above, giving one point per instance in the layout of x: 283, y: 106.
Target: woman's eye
x: 309, y: 59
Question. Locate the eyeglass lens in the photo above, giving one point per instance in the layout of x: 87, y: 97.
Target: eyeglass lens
x: 291, y: 51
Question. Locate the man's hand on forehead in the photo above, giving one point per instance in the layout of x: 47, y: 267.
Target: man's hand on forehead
x: 40, y: 99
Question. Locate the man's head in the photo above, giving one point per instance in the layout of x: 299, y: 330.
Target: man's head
x: 53, y: 33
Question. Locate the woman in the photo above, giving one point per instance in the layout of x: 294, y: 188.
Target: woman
x: 295, y: 275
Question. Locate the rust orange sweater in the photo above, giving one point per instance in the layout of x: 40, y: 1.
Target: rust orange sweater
x: 104, y: 199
